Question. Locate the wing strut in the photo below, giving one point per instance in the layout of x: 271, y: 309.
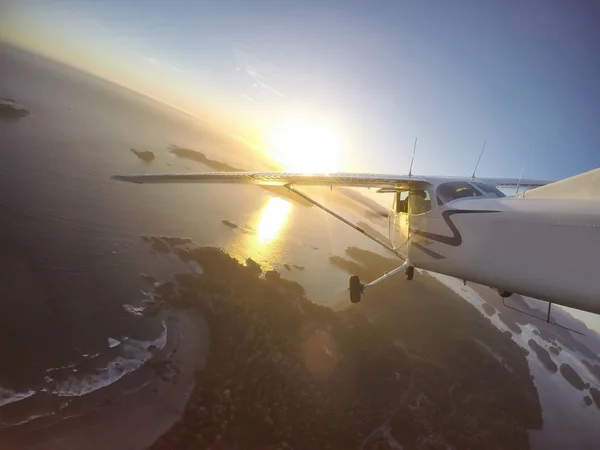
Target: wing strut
x: 342, y: 219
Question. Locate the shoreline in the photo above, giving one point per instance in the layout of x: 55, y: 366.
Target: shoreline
x: 567, y: 420
x: 132, y: 413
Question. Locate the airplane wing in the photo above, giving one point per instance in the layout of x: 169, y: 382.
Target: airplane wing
x: 283, y: 179
x: 514, y: 182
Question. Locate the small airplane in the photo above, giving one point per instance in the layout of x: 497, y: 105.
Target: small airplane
x: 542, y: 243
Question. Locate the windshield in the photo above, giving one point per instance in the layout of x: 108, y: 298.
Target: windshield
x: 226, y: 313
x: 447, y: 192
x: 488, y: 190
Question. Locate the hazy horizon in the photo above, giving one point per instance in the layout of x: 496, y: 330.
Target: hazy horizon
x: 364, y: 80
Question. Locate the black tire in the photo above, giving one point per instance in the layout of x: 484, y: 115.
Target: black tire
x: 355, y: 289
x: 410, y: 273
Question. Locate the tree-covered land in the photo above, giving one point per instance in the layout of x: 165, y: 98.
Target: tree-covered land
x: 412, y: 364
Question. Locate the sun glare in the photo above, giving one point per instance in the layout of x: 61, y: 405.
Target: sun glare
x: 304, y: 146
x: 272, y: 219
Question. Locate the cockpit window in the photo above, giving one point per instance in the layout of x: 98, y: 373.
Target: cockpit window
x: 488, y: 190
x: 415, y: 201
x: 455, y: 189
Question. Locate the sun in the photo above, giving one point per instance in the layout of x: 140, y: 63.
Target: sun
x: 305, y: 146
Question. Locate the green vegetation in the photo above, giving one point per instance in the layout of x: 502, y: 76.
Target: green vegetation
x: 403, y: 365
x: 220, y: 166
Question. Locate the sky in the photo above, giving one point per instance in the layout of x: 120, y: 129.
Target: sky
x: 523, y: 76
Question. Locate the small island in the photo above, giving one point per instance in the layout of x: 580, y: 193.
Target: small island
x: 489, y: 309
x: 12, y: 110
x: 229, y: 224
x: 572, y: 377
x: 144, y: 155
x: 543, y: 356
x: 284, y: 372
x: 195, y: 155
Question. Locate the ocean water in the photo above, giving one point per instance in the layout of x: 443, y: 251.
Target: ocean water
x: 72, y: 316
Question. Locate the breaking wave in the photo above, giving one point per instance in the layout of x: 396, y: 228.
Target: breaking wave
x: 133, y: 355
x: 8, y: 396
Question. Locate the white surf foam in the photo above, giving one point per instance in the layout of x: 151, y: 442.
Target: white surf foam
x: 8, y: 396
x: 68, y: 366
x: 112, y: 343
x: 135, y: 310
x: 134, y: 354
x: 4, y: 425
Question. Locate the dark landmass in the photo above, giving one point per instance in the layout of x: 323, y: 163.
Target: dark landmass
x: 283, y: 372
x: 148, y: 278
x: 572, y: 376
x: 229, y: 224
x: 144, y: 155
x: 587, y: 400
x: 595, y: 393
x: 593, y: 368
x: 489, y: 309
x: 543, y: 356
x: 510, y: 322
x: 287, y: 267
x: 554, y: 350
x: 11, y: 110
x: 163, y: 244
x: 220, y: 166
x: 176, y: 240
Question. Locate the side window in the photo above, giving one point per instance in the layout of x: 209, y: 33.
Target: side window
x: 455, y: 189
x: 488, y: 190
x: 401, y: 202
x: 415, y: 201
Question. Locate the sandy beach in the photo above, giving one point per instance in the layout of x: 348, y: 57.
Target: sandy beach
x: 131, y: 413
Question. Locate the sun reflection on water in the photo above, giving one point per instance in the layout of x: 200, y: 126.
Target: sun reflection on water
x: 260, y: 239
x: 272, y: 220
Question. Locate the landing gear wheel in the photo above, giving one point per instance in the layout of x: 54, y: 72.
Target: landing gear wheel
x: 410, y: 273
x: 356, y: 289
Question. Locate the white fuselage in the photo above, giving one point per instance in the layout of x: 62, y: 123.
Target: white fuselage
x: 538, y: 247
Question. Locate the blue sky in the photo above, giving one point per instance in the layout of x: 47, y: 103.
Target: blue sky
x: 523, y: 76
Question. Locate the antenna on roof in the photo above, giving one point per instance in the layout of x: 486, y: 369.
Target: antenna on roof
x: 477, y: 165
x: 412, y: 160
